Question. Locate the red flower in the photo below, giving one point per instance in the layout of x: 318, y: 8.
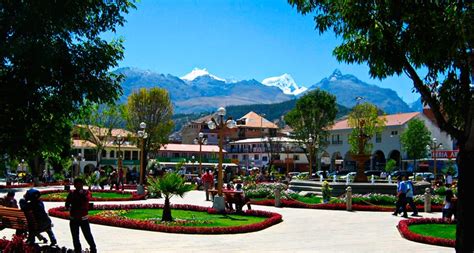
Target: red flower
x: 405, y: 231
x: 273, y: 218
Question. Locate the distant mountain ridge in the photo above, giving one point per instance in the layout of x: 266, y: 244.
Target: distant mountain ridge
x: 200, y: 91
x: 347, y: 87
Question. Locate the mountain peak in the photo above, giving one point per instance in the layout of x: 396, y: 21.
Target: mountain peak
x: 286, y: 83
x: 336, y: 74
x: 197, y: 72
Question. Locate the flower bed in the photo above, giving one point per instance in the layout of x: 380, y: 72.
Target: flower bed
x: 272, y: 219
x: 129, y: 196
x: 335, y: 206
x: 403, y: 228
x: 28, y: 185
x: 18, y: 244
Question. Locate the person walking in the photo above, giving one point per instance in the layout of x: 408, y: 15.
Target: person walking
x: 401, y: 198
x: 410, y: 193
x: 77, y: 202
x: 208, y: 181
x: 33, y: 208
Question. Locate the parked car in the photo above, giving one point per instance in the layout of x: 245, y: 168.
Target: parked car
x: 398, y: 173
x: 350, y: 175
x: 427, y: 176
x: 293, y: 174
x: 372, y: 172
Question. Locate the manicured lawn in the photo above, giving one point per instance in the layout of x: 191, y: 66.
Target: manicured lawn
x: 310, y: 200
x: 94, y: 195
x: 186, y: 217
x: 447, y: 231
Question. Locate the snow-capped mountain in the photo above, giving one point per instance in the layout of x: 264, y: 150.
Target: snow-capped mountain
x: 286, y: 83
x: 197, y: 72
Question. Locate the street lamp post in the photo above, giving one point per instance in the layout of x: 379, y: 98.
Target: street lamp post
x: 119, y: 141
x: 201, y: 140
x: 434, y: 146
x: 310, y: 149
x: 220, y: 124
x: 142, y: 135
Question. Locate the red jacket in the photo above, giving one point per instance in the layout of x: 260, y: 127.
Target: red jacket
x: 77, y: 202
x: 208, y: 178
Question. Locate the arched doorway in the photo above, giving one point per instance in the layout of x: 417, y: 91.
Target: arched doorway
x: 336, y: 161
x: 396, y: 156
x: 325, y: 161
x: 349, y: 163
x: 378, y: 160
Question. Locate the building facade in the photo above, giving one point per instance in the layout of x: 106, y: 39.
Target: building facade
x: 386, y: 145
x: 251, y: 125
x: 84, y: 151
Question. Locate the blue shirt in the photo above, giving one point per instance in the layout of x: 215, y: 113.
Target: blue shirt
x: 402, y: 187
x: 409, y: 185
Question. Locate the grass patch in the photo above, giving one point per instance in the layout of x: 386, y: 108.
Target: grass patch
x: 111, y: 195
x: 309, y: 200
x: 189, y: 218
x: 446, y: 231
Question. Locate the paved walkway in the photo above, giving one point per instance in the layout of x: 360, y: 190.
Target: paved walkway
x: 302, y: 230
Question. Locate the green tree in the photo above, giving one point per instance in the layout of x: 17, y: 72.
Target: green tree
x: 152, y: 106
x: 390, y: 165
x: 97, y: 122
x: 432, y: 43
x: 365, y: 123
x: 171, y: 184
x: 313, y: 116
x: 414, y: 140
x: 52, y: 60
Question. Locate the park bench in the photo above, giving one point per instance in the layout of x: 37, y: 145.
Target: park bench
x: 233, y: 197
x: 14, y: 218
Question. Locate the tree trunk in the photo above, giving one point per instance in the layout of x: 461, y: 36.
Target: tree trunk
x: 167, y: 210
x: 465, y: 211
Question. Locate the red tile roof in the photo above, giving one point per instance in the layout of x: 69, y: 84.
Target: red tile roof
x: 391, y: 120
x: 254, y: 120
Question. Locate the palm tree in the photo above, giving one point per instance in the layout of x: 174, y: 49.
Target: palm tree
x: 170, y: 184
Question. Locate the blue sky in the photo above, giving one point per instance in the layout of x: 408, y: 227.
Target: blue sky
x: 236, y: 39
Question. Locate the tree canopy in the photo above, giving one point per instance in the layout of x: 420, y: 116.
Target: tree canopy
x: 97, y: 122
x: 365, y: 123
x: 313, y: 116
x: 415, y: 138
x: 153, y: 107
x: 429, y: 41
x: 52, y: 60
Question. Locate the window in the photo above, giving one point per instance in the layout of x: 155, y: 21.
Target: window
x: 378, y: 137
x: 264, y: 158
x: 296, y: 157
x: 235, y: 156
x: 112, y: 154
x: 256, y: 157
x: 104, y: 153
x: 127, y: 155
x: 394, y: 133
x: 176, y: 155
x: 134, y: 155
x: 336, y: 139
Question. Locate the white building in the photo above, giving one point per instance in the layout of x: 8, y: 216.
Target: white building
x: 256, y: 152
x: 84, y: 152
x: 386, y: 146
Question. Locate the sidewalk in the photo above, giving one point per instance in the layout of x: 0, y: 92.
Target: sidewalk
x: 302, y: 230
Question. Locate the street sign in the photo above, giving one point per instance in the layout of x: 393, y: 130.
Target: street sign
x: 448, y: 154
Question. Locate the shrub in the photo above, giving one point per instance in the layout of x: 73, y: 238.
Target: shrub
x: 326, y: 190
